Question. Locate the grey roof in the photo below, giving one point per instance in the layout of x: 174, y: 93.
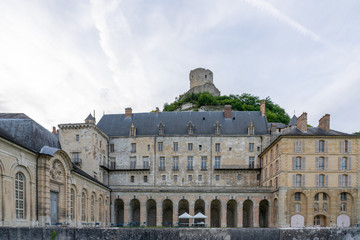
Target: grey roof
x: 90, y: 117
x: 176, y: 123
x: 277, y: 125
x: 49, y: 150
x: 314, y: 131
x: 22, y: 130
x: 293, y: 121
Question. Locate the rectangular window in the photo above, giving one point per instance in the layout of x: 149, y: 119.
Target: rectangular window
x: 251, y: 147
x: 298, y: 180
x: 217, y: 162
x: 321, y: 146
x: 200, y: 147
x: 190, y: 146
x: 163, y: 177
x: 321, y: 163
x: 297, y: 196
x: 189, y: 178
x: 344, y: 163
x: 160, y: 146
x: 112, y: 148
x: 145, y: 178
x: 316, y: 207
x: 203, y: 163
x: 75, y: 157
x: 175, y: 178
x: 162, y: 163
x: 217, y: 147
x: 343, y: 196
x: 251, y: 162
x: 113, y: 163
x: 199, y: 178
x: 175, y: 163
x: 132, y: 162
x: 343, y: 207
x: 133, y: 147
x: 77, y: 137
x: 217, y: 177
x: 324, y: 207
x: 239, y: 177
x: 146, y: 162
x: 190, y: 163
x: 321, y: 180
x: 298, y: 163
x: 175, y: 147
x: 297, y: 207
x: 149, y: 147
x: 298, y: 146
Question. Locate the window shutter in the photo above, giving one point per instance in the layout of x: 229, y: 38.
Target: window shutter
x: 326, y: 180
x: 349, y: 163
x: 342, y: 146
x: 300, y: 145
x: 326, y: 163
x: 295, y: 146
x: 293, y: 163
x: 294, y: 180
x: 317, y: 146
x: 317, y: 163
x: 303, y: 163
x: 326, y: 146
x: 340, y: 159
x: 349, y: 181
x: 349, y: 146
x: 340, y: 181
x: 303, y: 180
x: 317, y: 180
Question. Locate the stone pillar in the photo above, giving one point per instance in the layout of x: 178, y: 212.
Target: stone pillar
x: 223, y: 209
x: 159, y: 211
x: 256, y: 214
x: 239, y: 214
x: 208, y: 212
x: 283, y: 209
x: 8, y: 212
x: 143, y: 212
x: 127, y: 213
x: 43, y: 190
x: 175, y: 213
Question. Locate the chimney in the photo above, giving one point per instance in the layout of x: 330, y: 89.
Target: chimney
x: 302, y: 122
x: 227, y: 111
x: 324, y: 122
x: 157, y: 110
x: 54, y: 130
x: 128, y: 112
x: 262, y: 107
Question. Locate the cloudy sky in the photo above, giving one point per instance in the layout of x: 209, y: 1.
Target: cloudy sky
x: 62, y: 59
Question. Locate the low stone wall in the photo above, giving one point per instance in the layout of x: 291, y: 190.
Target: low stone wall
x: 39, y: 233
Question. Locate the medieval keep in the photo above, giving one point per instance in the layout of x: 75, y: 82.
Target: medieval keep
x: 148, y: 168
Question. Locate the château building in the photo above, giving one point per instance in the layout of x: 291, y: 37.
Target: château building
x: 148, y: 168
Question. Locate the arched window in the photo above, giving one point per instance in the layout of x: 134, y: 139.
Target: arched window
x: 92, y: 208
x: 20, y: 195
x: 83, y: 207
x: 100, y: 209
x: 72, y: 203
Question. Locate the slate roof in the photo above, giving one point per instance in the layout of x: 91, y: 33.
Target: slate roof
x: 90, y: 117
x: 176, y: 123
x: 22, y: 130
x: 293, y: 121
x: 314, y: 131
x: 277, y: 125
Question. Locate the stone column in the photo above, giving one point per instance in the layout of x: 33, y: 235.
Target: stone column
x: 239, y: 214
x: 223, y: 209
x: 282, y: 208
x: 8, y: 212
x: 208, y: 211
x: 127, y: 213
x: 143, y: 212
x: 159, y: 214
x: 175, y: 213
x: 256, y: 214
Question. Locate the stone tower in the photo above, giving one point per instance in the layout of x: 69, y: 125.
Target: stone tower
x: 201, y: 80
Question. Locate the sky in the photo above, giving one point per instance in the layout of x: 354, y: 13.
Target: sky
x: 62, y: 59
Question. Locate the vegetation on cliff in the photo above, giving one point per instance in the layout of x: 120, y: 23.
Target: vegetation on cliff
x: 244, y: 102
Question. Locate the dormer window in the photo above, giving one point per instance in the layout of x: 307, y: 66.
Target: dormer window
x: 161, y: 129
x: 217, y: 128
x: 251, y: 128
x: 132, y: 130
x: 190, y: 128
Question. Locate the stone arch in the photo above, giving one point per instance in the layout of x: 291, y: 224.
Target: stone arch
x: 215, y: 213
x: 167, y: 212
x: 264, y: 213
x: 199, y: 207
x: 151, y: 213
x: 322, y: 202
x: 119, y: 211
x: 297, y: 221
x: 28, y: 204
x: 231, y: 213
x: 248, y: 213
x: 343, y: 221
x: 135, y: 211
x: 182, y: 208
